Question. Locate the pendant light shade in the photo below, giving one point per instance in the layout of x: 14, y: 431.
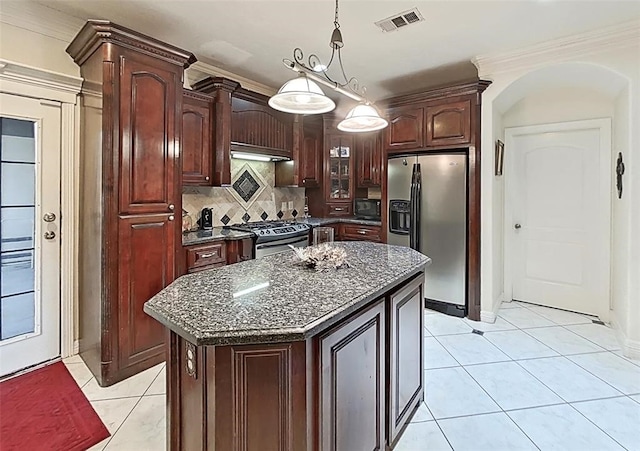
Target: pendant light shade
x: 301, y: 96
x: 362, y: 118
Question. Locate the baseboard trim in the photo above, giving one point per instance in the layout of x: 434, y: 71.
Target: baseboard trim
x: 630, y: 348
x: 488, y: 317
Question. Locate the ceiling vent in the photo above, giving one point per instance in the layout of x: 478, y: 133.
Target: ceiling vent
x: 400, y: 20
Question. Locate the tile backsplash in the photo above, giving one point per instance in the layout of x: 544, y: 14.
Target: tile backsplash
x: 251, y: 196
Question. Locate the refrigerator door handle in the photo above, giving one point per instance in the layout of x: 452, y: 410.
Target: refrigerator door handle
x: 417, y: 213
x: 414, y: 206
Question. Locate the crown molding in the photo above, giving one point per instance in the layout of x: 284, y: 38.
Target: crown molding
x: 40, y: 19
x: 617, y: 37
x: 199, y: 71
x: 35, y: 82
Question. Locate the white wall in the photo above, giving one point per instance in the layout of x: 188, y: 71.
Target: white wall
x: 587, y: 84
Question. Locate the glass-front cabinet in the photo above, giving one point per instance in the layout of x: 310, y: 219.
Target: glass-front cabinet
x: 339, y: 172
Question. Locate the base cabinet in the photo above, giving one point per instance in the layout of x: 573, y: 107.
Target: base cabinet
x: 355, y: 386
x: 352, y: 382
x: 405, y: 356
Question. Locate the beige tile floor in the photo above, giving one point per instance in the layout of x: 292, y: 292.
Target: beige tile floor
x: 538, y: 378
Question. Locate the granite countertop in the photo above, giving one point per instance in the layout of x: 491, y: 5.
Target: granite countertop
x: 272, y: 299
x: 216, y: 234
x: 316, y: 222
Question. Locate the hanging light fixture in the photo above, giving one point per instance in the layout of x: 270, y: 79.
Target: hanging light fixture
x: 303, y: 95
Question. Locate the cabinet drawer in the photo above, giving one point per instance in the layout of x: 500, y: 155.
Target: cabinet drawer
x: 206, y: 256
x: 352, y: 232
x: 342, y: 209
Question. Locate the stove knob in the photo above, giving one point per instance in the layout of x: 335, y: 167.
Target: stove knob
x: 261, y: 232
x: 268, y: 231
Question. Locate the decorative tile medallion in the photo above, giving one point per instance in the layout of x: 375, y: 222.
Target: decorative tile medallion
x: 246, y: 186
x: 225, y: 219
x: 246, y: 217
x: 280, y: 214
x: 264, y: 216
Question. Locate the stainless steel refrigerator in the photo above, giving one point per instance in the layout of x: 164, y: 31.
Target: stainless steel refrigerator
x: 427, y: 211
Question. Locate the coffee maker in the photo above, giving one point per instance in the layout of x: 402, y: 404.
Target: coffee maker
x: 206, y: 219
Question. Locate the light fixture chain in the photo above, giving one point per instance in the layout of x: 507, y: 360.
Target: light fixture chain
x: 335, y: 20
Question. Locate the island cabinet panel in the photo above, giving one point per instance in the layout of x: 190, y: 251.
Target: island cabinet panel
x: 448, y: 123
x: 239, y: 250
x: 148, y: 134
x: 406, y: 128
x: 405, y: 356
x: 197, y: 150
x: 146, y: 266
x: 369, y: 160
x: 237, y: 398
x: 352, y: 383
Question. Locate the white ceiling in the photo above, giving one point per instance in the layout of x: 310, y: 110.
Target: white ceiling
x: 250, y: 38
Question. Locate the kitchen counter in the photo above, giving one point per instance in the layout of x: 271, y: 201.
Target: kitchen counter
x: 316, y: 222
x: 284, y: 301
x: 216, y: 234
x: 266, y: 354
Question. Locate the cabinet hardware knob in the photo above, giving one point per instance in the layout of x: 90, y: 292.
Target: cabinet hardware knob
x: 338, y: 209
x: 208, y: 255
x: 207, y: 178
x: 362, y: 232
x: 171, y: 217
x: 49, y: 235
x: 172, y: 207
x: 49, y: 217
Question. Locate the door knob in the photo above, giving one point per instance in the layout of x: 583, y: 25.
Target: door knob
x: 49, y: 217
x: 49, y: 235
x: 518, y: 226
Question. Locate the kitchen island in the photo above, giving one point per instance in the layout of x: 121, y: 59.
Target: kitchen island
x: 268, y: 355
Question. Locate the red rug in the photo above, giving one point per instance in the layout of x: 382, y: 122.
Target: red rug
x: 46, y: 410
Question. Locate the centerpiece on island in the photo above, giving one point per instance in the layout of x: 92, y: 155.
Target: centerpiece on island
x: 321, y: 257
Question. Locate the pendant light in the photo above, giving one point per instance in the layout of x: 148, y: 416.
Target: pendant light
x: 303, y: 95
x: 362, y: 118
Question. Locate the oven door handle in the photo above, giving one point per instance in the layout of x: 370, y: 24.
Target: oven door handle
x: 268, y: 246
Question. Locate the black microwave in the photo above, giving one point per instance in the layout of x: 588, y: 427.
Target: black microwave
x: 367, y: 208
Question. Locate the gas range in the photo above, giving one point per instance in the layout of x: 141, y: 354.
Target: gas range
x: 267, y: 231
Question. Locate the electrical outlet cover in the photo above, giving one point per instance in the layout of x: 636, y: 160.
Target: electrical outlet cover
x: 290, y: 205
x: 283, y: 207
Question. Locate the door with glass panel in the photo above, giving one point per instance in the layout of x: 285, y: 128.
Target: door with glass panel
x: 29, y: 232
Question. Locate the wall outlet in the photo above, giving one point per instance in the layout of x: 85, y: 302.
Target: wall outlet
x: 283, y: 206
x: 290, y: 205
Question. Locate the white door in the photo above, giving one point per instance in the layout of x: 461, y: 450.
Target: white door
x: 29, y: 232
x: 558, y: 219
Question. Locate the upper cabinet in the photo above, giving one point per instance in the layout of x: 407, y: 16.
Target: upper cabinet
x: 448, y: 123
x: 406, y: 128
x: 368, y: 160
x: 258, y: 128
x: 197, y: 131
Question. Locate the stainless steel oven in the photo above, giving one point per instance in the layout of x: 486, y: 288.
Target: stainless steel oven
x: 278, y: 246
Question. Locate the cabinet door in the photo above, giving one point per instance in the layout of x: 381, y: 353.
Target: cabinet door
x: 149, y: 112
x: 197, y: 150
x: 145, y: 266
x: 405, y: 356
x: 369, y: 160
x: 311, y: 154
x: 339, y: 157
x: 406, y: 128
x: 352, y: 384
x: 449, y: 124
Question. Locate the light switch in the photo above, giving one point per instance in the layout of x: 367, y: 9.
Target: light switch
x: 290, y: 205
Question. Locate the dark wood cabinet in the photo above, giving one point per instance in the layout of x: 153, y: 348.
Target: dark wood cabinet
x: 406, y: 128
x: 405, y: 354
x: 197, y: 130
x: 311, y: 152
x: 146, y: 265
x: 239, y: 250
x: 357, y: 232
x: 131, y: 113
x: 369, y: 160
x: 448, y: 123
x: 352, y: 383
x: 206, y: 256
